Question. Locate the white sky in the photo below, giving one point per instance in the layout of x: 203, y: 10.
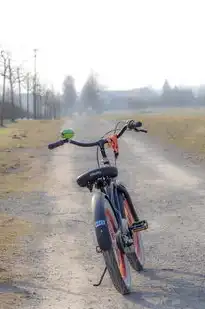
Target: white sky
x: 128, y: 43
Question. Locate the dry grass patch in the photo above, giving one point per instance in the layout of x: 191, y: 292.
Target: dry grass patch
x: 10, y: 300
x: 21, y: 147
x: 185, y: 131
x: 11, y: 231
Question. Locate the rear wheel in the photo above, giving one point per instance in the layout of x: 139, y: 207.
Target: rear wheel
x: 115, y: 260
x: 136, y: 255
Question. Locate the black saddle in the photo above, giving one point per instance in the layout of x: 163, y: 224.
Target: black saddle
x: 91, y: 176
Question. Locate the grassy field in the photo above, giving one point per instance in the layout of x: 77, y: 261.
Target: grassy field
x: 23, y: 152
x: 186, y: 132
x: 184, y: 128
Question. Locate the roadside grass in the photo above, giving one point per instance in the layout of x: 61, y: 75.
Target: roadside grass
x: 11, y: 231
x: 22, y: 147
x: 10, y: 300
x: 23, y: 154
x: 184, y: 129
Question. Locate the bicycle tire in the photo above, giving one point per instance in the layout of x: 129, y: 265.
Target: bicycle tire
x: 117, y: 265
x: 136, y: 256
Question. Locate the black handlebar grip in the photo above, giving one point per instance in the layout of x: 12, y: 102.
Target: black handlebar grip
x: 56, y: 144
x: 134, y: 124
x: 137, y: 124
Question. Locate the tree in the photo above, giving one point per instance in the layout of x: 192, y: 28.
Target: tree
x: 5, y: 64
x: 69, y: 94
x: 20, y: 78
x: 50, y: 102
x: 39, y: 93
x: 167, y: 94
x: 28, y: 86
x: 91, y: 94
x: 166, y: 87
x: 46, y: 103
x: 12, y: 80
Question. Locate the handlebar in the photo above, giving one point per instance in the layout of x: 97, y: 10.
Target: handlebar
x: 56, y: 144
x: 130, y: 125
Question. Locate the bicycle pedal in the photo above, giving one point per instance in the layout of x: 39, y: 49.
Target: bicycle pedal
x: 139, y: 226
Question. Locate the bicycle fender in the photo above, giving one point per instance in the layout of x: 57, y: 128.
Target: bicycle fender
x: 101, y: 228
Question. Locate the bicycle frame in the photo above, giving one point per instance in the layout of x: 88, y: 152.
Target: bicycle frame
x: 112, y: 191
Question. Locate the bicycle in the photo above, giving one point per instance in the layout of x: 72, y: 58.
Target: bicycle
x: 117, y: 225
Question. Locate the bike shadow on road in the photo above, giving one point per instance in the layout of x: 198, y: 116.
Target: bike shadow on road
x: 170, y: 288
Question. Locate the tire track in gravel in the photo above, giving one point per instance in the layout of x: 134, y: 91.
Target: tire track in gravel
x: 169, y: 197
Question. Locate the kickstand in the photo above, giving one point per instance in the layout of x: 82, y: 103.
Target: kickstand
x: 101, y: 279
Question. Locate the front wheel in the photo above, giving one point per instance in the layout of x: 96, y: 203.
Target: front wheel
x: 115, y: 260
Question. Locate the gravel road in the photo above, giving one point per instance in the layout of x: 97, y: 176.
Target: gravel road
x: 61, y: 261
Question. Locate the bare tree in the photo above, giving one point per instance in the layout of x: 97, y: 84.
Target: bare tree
x: 58, y: 99
x: 44, y: 101
x: 20, y: 77
x: 28, y: 86
x: 4, y: 62
x: 51, y: 102
x: 91, y: 94
x: 47, y: 103
x: 39, y: 94
x: 69, y: 94
x: 49, y: 95
x: 12, y: 80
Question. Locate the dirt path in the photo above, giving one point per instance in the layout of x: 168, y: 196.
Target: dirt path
x: 62, y: 264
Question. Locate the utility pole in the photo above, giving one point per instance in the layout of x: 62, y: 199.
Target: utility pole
x: 34, y: 86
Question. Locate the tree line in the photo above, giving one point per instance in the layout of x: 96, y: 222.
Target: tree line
x: 17, y: 89
x: 93, y: 97
x: 89, y: 99
x: 23, y: 95
x: 168, y: 97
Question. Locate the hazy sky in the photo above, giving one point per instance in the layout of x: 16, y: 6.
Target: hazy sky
x: 128, y: 43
